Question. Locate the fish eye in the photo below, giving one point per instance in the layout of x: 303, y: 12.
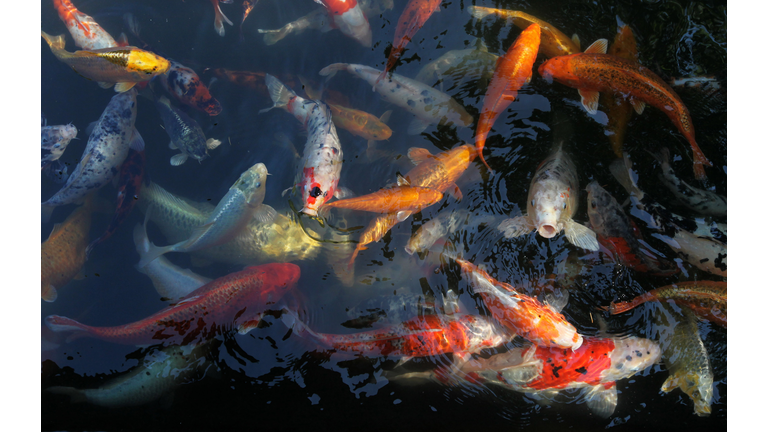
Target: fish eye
x: 57, y: 145
x: 533, y: 202
x: 314, y: 193
x: 258, y: 184
x: 565, y: 205
x: 325, y: 194
x: 594, y: 204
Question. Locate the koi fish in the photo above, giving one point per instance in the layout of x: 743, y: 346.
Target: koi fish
x: 53, y: 142
x: 443, y: 224
x: 701, y: 201
x: 63, y: 254
x: 184, y: 84
x: 427, y: 104
x: 554, y: 43
x: 403, y: 200
x: 474, y: 63
x: 131, y: 177
x: 707, y: 299
x: 86, y: 32
x: 158, y: 374
x: 617, y: 233
x: 594, y: 71
x: 438, y: 172
x: 425, y: 336
x: 347, y: 16
x: 685, y: 357
x: 513, y: 71
x: 248, y: 6
x: 321, y: 165
x: 542, y: 324
x: 618, y: 109
x: 122, y: 67
x: 219, y: 16
x: 236, y: 301
x: 552, y: 201
x: 185, y: 133
x: 106, y: 150
x: 243, y: 202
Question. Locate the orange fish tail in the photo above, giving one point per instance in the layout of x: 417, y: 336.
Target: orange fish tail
x: 699, y: 161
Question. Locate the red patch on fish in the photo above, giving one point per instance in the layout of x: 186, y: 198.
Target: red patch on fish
x: 562, y: 367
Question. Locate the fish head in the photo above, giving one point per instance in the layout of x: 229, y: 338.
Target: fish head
x: 147, y: 62
x: 560, y: 69
x: 253, y: 184
x: 56, y: 138
x: 598, y: 199
x: 547, y: 206
x: 630, y: 356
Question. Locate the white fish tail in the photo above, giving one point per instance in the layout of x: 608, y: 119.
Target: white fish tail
x: 152, y: 253
x: 478, y: 12
x: 330, y: 70
x: 622, y: 170
x: 279, y: 93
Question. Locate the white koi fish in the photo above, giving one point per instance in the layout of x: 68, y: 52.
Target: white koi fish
x: 347, y: 16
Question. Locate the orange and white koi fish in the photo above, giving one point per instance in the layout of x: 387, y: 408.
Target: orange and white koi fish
x: 513, y: 71
x: 553, y: 42
x: 594, y: 71
x: 184, y: 84
x: 86, y: 32
x: 347, y: 16
x: 539, y: 323
x: 415, y: 14
x: 403, y: 200
x: 236, y: 301
x: 618, y: 109
x: 122, y: 67
x: 63, y: 254
x: 438, y: 172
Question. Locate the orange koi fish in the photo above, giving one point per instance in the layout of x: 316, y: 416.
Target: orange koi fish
x: 553, y: 42
x: 618, y: 109
x: 707, y: 299
x: 184, y: 84
x: 415, y: 14
x: 594, y: 71
x: 513, y: 71
x: 86, y: 32
x: 236, y: 301
x: 403, y: 200
x: 526, y: 316
x: 219, y: 16
x: 63, y: 254
x: 122, y: 67
x: 438, y: 172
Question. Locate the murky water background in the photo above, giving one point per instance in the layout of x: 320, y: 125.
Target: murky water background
x: 270, y: 379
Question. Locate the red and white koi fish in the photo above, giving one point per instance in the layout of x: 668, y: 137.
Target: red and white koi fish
x: 184, y: 84
x: 539, y: 323
x: 86, y: 32
x: 236, y: 301
x: 347, y: 16
x: 321, y: 164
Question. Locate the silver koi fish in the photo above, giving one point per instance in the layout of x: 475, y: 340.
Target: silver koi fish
x: 186, y: 135
x: 53, y: 142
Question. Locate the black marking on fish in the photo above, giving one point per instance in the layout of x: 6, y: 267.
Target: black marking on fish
x: 582, y: 370
x: 555, y: 371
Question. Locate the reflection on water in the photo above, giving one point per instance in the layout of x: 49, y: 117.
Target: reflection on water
x: 284, y: 375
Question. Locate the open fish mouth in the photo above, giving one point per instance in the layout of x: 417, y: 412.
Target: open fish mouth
x: 548, y: 230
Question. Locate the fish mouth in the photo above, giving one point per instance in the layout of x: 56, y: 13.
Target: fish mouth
x: 547, y: 230
x: 308, y: 211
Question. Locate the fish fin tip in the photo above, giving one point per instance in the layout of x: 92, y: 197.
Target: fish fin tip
x: 575, y: 38
x: 589, y: 99
x: 137, y: 142
x: 123, y: 87
x: 638, y: 105
x: 49, y: 293
x: 417, y: 126
x: 581, y: 236
x: 599, y: 46
x: 403, y: 215
x: 343, y: 192
x: 601, y: 400
x: 402, y: 181
x: 418, y: 155
x: 212, y: 143
x: 179, y: 159
x: 265, y: 214
x: 105, y: 85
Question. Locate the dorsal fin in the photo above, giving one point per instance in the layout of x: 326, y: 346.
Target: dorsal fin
x: 599, y: 46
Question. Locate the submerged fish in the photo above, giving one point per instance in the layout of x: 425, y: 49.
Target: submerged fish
x: 243, y: 201
x: 513, y: 71
x: 233, y: 302
x: 617, y: 108
x: 184, y: 84
x: 186, y: 135
x: 106, y: 150
x: 552, y: 202
x: 594, y: 71
x: 63, y: 254
x: 348, y: 16
x: 321, y: 165
x: 53, y: 142
x: 443, y: 224
x: 122, y: 67
x: 553, y: 42
x: 86, y: 32
x: 473, y: 63
x: 404, y: 200
x: 707, y: 299
x: 427, y: 104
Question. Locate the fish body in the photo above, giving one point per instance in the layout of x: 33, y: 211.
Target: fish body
x: 106, y: 150
x: 403, y: 199
x: 86, y: 32
x: 513, y: 71
x: 131, y: 178
x: 348, y: 16
x: 443, y: 224
x: 321, y: 163
x: 685, y: 357
x: 159, y: 374
x: 122, y: 66
x: 521, y: 314
x: 63, y: 254
x: 552, y: 202
x: 617, y: 233
x: 184, y: 84
x: 554, y: 43
x: 473, y: 63
x: 186, y: 134
x: 701, y: 201
x: 53, y: 142
x: 235, y: 301
x: 592, y: 72
x: 415, y: 14
x: 618, y: 109
x: 360, y: 123
x: 429, y: 105
x: 243, y: 200
x: 438, y: 172
x: 707, y: 299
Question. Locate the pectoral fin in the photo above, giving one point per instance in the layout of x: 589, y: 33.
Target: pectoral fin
x: 451, y: 303
x: 602, y: 400
x: 179, y: 159
x: 638, y: 105
x: 581, y: 236
x: 49, y: 293
x: 265, y: 214
x: 589, y: 100
x: 212, y: 143
x: 417, y: 126
x: 576, y: 40
x: 343, y: 192
x: 670, y: 384
x: 124, y: 86
x: 105, y: 85
x: 516, y: 227
x: 248, y: 325
x: 418, y: 155
x: 402, y: 181
x: 454, y: 191
x: 557, y: 301
x: 403, y: 215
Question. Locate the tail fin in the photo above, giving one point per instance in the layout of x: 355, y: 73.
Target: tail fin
x: 622, y: 170
x: 699, y: 160
x: 479, y: 12
x: 55, y: 42
x: 330, y: 70
x: 153, y: 253
x: 62, y: 324
x: 217, y: 21
x: 75, y: 395
x: 272, y: 37
x: 279, y: 93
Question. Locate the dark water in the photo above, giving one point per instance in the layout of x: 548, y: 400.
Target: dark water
x: 272, y: 379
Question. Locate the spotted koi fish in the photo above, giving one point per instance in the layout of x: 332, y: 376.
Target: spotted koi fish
x: 184, y: 84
